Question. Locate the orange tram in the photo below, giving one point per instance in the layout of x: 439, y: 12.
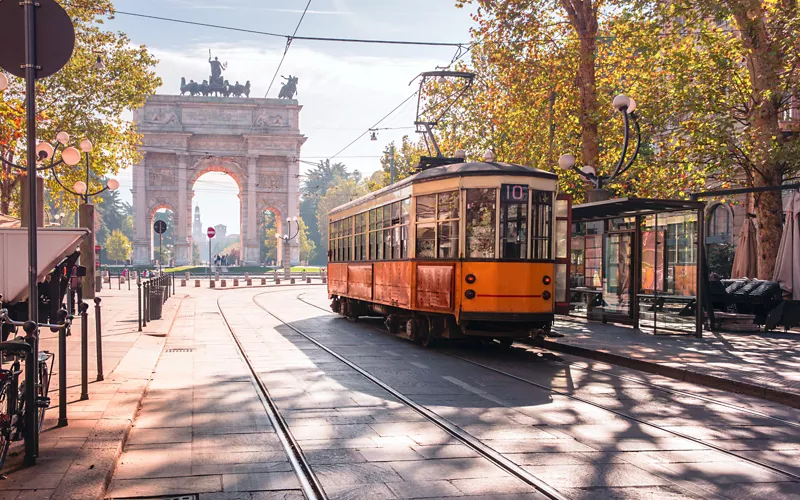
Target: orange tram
x: 457, y: 250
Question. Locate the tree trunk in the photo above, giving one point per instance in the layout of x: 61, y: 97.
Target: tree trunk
x: 588, y: 97
x: 764, y: 62
x: 582, y: 16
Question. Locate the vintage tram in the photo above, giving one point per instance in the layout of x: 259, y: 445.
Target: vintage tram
x: 456, y: 250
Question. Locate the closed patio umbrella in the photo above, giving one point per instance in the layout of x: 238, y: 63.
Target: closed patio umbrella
x: 787, y: 266
x: 744, y: 262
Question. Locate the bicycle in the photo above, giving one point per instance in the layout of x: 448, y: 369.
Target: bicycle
x: 12, y: 391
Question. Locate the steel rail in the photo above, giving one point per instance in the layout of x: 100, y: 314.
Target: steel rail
x: 629, y: 378
x: 778, y: 470
x: 309, y: 482
x: 476, y: 445
x: 627, y: 416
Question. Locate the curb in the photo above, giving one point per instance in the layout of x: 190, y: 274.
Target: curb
x: 716, y: 382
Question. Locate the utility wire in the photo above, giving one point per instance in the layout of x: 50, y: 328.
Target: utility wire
x: 278, y: 35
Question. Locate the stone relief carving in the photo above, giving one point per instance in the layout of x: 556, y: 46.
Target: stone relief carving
x: 168, y: 141
x: 165, y: 117
x: 265, y: 119
x: 215, y: 144
x: 270, y: 180
x: 162, y: 177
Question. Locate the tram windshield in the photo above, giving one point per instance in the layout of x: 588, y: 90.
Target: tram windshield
x: 480, y: 223
x: 513, y: 221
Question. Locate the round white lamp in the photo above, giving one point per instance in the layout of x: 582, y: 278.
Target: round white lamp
x: 86, y: 145
x: 71, y: 156
x: 566, y: 162
x: 79, y: 187
x: 112, y: 185
x: 3, y: 82
x: 621, y: 102
x: 44, y: 151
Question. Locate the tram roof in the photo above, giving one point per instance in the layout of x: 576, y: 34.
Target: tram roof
x: 454, y: 170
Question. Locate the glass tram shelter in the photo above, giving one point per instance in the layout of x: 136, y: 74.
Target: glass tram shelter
x: 636, y: 261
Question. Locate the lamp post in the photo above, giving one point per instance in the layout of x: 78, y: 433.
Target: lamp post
x: 86, y: 209
x: 287, y: 253
x: 627, y: 107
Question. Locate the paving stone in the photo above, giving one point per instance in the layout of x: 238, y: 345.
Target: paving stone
x: 390, y: 454
x: 629, y: 493
x: 260, y: 481
x: 335, y: 475
x: 160, y: 436
x: 424, y: 489
x: 445, y: 451
x: 127, y: 488
x: 333, y: 456
x: 450, y: 468
x: 492, y: 486
x: 359, y: 492
x: 576, y: 476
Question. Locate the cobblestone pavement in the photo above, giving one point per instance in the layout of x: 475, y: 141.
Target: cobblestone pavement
x: 76, y: 461
x: 632, y: 435
x: 748, y: 361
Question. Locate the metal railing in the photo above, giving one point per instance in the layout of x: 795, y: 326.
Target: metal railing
x: 152, y: 294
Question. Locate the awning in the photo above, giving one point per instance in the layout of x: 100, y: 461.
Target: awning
x: 629, y: 207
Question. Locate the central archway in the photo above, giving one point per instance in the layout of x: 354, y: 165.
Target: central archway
x: 216, y: 197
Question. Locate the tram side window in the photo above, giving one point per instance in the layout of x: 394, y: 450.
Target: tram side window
x: 513, y: 221
x: 480, y: 219
x: 541, y: 225
x: 447, y: 225
x: 348, y: 240
x: 426, y: 226
x: 360, y: 237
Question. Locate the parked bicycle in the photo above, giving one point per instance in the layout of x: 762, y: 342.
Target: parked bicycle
x: 12, y: 390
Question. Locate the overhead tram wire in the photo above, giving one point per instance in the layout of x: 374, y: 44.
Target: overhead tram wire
x: 293, y: 37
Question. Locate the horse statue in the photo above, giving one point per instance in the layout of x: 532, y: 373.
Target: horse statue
x: 288, y: 89
x: 204, y: 88
x: 191, y: 87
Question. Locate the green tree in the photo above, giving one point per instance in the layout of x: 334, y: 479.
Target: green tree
x: 307, y: 247
x: 196, y: 253
x: 406, y: 158
x: 317, y: 182
x: 342, y: 191
x: 83, y: 101
x: 118, y: 246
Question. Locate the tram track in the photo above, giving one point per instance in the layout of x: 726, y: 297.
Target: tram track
x: 467, y: 439
x: 309, y: 483
x: 758, y: 463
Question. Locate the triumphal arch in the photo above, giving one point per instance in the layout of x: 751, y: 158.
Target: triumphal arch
x: 255, y: 141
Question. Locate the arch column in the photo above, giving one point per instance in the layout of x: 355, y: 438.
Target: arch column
x: 183, y: 248
x: 250, y: 241
x: 141, y: 246
x: 293, y: 202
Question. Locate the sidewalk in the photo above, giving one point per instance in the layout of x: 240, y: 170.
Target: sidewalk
x: 76, y: 461
x: 764, y: 365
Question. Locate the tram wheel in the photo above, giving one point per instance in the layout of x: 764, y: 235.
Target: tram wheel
x: 427, y: 336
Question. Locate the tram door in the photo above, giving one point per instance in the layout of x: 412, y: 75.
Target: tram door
x: 563, y: 251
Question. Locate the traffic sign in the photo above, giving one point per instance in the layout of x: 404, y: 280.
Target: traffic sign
x: 160, y: 227
x: 97, y: 248
x: 211, y: 232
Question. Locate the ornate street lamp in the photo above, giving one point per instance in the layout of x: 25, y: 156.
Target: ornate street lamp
x: 627, y: 107
x: 287, y: 253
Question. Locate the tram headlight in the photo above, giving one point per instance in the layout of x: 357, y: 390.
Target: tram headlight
x: 470, y: 278
x: 547, y: 279
x: 546, y: 295
x: 470, y: 294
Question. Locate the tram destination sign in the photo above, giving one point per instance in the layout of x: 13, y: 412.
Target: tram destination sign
x: 514, y: 193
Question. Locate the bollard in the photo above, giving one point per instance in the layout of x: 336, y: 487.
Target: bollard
x: 183, y: 282
x: 304, y: 274
x: 324, y: 280
x: 212, y: 284
x: 292, y: 281
x: 216, y: 276
x: 197, y: 283
x: 308, y: 280
x: 277, y: 280
x: 247, y: 276
x: 119, y: 280
x: 263, y: 281
x: 98, y: 330
x: 249, y: 281
x: 275, y: 276
x: 62, y: 377
x: 173, y: 283
x: 83, y: 307
x: 235, y: 281
x: 129, y: 281
x: 223, y: 283
x: 139, y: 288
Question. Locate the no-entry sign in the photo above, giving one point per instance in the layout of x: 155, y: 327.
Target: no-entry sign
x: 211, y: 232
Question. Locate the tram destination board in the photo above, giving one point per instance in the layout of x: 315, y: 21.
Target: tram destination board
x: 514, y: 193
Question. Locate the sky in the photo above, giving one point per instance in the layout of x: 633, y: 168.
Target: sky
x: 344, y: 88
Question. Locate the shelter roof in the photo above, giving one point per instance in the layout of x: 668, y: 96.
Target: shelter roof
x: 629, y: 207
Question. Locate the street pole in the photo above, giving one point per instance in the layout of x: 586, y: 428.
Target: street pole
x: 31, y: 448
x: 392, y: 173
x: 160, y: 253
x: 209, y: 259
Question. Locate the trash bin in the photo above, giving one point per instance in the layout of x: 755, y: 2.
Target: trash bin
x: 156, y: 302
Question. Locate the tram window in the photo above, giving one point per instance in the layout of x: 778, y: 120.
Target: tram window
x: 448, y: 205
x: 426, y: 241
x: 405, y: 209
x: 387, y: 244
x: 447, y: 225
x: 396, y: 243
x: 480, y: 218
x: 372, y: 250
x: 513, y: 221
x: 395, y: 213
x: 426, y: 207
x: 541, y: 225
x: 404, y: 241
